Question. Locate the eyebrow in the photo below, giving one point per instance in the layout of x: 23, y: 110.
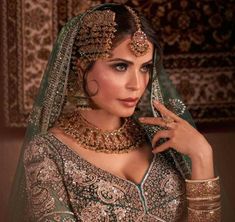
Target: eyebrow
x: 127, y: 61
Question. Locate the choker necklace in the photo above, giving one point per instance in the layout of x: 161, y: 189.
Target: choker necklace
x: 129, y: 136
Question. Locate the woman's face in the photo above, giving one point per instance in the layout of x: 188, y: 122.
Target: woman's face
x: 120, y: 80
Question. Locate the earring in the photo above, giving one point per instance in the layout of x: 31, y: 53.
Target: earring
x: 76, y: 93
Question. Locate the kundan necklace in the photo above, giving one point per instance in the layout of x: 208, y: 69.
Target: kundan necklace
x: 128, y: 137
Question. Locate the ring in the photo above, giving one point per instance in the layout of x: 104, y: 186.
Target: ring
x: 167, y: 120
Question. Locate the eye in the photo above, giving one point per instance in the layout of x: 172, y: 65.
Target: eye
x: 120, y: 67
x: 146, y: 68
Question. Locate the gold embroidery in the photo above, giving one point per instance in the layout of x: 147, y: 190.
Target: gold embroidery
x: 168, y: 200
x: 170, y: 184
x: 109, y: 193
x: 94, y: 212
x: 96, y: 195
x: 44, y: 185
x: 120, y: 213
x: 80, y: 177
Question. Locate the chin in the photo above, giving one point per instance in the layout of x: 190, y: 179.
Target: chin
x: 126, y: 113
x: 119, y: 111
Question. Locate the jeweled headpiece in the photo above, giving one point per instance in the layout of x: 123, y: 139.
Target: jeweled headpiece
x: 96, y: 34
x: 94, y: 38
x: 93, y: 41
x: 138, y: 45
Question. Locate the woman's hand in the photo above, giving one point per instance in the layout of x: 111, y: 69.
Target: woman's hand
x: 184, y: 138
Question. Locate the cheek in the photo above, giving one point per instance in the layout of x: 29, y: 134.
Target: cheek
x: 105, y: 86
x: 147, y: 80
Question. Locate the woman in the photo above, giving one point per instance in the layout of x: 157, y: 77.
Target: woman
x: 90, y: 154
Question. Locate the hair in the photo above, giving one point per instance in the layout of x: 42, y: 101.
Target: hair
x: 125, y: 26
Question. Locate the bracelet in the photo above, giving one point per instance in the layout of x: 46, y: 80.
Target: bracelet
x: 206, y: 189
x: 204, y: 205
x: 204, y: 215
x: 203, y: 200
x: 214, y: 198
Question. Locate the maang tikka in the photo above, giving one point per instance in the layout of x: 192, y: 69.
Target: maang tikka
x: 139, y: 43
x: 94, y: 41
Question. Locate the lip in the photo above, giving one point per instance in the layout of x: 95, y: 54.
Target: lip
x: 129, y: 99
x: 129, y: 102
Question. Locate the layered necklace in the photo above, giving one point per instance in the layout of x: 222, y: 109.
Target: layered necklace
x: 129, y: 136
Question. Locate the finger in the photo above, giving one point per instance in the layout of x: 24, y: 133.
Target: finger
x: 165, y: 146
x: 162, y: 147
x: 172, y: 125
x: 159, y: 135
x: 153, y: 121
x: 165, y: 112
x: 158, y: 121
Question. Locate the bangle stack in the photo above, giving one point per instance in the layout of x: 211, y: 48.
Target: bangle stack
x: 203, y: 200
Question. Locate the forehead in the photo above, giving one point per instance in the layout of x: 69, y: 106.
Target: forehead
x: 122, y: 50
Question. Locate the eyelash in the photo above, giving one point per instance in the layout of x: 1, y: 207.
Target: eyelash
x: 115, y: 66
x: 148, y: 66
x: 125, y: 66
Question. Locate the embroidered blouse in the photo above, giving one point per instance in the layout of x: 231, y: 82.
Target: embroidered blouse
x: 62, y: 186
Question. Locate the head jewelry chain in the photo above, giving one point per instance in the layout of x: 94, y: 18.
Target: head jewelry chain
x: 94, y: 41
x: 139, y: 45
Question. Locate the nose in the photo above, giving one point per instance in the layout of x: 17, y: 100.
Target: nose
x: 133, y: 82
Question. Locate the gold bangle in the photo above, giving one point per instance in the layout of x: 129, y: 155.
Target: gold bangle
x: 204, y: 215
x: 204, y: 211
x: 204, y: 205
x: 200, y: 181
x: 202, y: 188
x: 214, y: 198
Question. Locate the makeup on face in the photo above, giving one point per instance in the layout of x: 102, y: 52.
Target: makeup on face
x: 121, y: 65
x: 121, y: 80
